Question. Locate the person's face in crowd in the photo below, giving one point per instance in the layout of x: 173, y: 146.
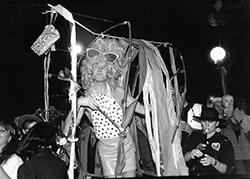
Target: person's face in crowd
x: 218, y: 106
x: 243, y: 107
x: 52, y: 114
x: 100, y: 72
x: 5, y: 136
x: 227, y: 100
x: 209, y: 126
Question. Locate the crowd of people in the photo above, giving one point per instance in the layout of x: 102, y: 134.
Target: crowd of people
x: 215, y: 136
x: 231, y: 123
x: 29, y: 149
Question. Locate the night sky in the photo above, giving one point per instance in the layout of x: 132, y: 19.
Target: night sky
x: 183, y: 23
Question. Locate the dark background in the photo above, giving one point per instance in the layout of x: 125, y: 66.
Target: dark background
x: 184, y: 23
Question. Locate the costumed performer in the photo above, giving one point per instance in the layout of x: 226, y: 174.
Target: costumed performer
x: 102, y: 103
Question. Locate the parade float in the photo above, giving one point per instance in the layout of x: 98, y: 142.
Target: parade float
x: 158, y: 83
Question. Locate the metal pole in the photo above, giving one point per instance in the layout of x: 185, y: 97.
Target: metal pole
x: 223, y: 77
x: 73, y: 102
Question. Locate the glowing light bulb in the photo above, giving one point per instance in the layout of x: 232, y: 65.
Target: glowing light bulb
x: 217, y: 54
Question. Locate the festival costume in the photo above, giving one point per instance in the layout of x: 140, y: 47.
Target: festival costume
x: 108, y: 134
x: 11, y: 165
x: 159, y: 121
x: 107, y: 149
x: 218, y: 147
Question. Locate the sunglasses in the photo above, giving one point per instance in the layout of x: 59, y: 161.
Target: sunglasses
x: 110, y: 56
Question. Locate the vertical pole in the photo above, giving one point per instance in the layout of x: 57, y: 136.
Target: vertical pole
x: 73, y: 101
x: 223, y: 78
x: 73, y: 94
x: 46, y: 84
x: 46, y: 77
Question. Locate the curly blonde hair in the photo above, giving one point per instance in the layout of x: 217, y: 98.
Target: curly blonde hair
x: 114, y: 70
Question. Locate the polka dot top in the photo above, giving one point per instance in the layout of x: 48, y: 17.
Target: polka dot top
x: 103, y: 128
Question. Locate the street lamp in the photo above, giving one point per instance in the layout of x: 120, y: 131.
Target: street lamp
x: 218, y: 55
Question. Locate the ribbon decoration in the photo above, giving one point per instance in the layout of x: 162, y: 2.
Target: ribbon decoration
x: 120, y: 164
x: 180, y: 99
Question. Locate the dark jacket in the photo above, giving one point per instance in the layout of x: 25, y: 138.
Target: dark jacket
x: 44, y: 165
x: 219, y: 147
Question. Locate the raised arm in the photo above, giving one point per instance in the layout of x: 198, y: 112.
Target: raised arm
x: 84, y: 104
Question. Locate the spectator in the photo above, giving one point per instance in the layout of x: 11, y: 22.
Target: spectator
x: 243, y: 120
x: 26, y: 121
x: 217, y: 104
x: 227, y: 129
x: 212, y: 153
x: 9, y: 160
x: 43, y: 162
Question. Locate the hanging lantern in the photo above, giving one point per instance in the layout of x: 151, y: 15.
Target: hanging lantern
x: 46, y: 40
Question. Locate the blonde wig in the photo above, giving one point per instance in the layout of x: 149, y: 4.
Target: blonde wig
x: 103, y: 45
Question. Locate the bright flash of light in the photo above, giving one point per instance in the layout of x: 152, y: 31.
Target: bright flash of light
x: 77, y: 49
x: 217, y: 54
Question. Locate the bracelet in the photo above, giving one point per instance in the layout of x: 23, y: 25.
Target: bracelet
x: 215, y: 162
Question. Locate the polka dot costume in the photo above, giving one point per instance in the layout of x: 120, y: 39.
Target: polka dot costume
x: 103, y: 128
